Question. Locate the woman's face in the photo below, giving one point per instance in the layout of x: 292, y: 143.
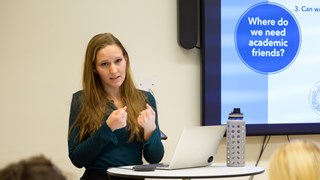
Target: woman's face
x: 111, y: 65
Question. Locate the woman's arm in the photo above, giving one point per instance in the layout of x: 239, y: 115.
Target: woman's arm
x: 153, y: 149
x: 82, y: 153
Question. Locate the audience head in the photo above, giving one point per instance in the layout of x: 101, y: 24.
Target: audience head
x: 297, y: 160
x: 35, y: 168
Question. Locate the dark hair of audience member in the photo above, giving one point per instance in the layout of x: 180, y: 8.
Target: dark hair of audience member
x: 35, y: 168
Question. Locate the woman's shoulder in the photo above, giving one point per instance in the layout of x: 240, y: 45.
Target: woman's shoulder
x: 148, y: 94
x: 77, y: 93
x: 76, y: 96
x: 149, y: 97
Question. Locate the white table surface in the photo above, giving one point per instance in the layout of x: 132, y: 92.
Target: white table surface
x: 214, y: 171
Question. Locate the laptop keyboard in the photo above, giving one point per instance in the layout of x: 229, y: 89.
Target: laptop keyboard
x: 148, y: 167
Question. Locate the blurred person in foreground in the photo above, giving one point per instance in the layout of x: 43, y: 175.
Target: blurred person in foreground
x: 34, y: 168
x: 297, y: 160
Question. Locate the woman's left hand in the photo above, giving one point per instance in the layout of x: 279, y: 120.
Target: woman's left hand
x: 147, y: 120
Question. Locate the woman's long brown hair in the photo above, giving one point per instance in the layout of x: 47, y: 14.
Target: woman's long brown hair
x: 94, y: 102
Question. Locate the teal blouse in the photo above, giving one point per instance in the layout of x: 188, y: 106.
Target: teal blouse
x: 105, y: 149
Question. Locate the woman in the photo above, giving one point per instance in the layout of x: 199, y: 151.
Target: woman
x: 298, y: 160
x: 111, y: 122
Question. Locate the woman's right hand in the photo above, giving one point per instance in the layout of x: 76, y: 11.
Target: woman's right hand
x: 117, y: 119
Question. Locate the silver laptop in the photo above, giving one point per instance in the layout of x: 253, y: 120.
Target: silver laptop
x: 197, y: 147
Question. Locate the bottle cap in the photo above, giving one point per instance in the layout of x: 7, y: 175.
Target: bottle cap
x: 236, y: 113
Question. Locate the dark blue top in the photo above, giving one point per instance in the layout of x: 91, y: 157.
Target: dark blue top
x: 105, y: 149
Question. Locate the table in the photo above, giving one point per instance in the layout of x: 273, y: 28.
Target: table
x: 213, y: 171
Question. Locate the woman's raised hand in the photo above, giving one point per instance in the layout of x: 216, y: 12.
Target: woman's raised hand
x: 147, y: 120
x: 117, y: 119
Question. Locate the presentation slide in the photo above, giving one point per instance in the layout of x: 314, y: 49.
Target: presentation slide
x: 270, y: 60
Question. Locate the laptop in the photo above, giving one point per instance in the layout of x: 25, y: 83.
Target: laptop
x: 197, y: 147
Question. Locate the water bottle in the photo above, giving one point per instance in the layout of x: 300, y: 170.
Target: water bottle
x: 236, y: 139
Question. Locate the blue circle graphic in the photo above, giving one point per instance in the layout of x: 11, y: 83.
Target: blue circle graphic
x: 267, y: 38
